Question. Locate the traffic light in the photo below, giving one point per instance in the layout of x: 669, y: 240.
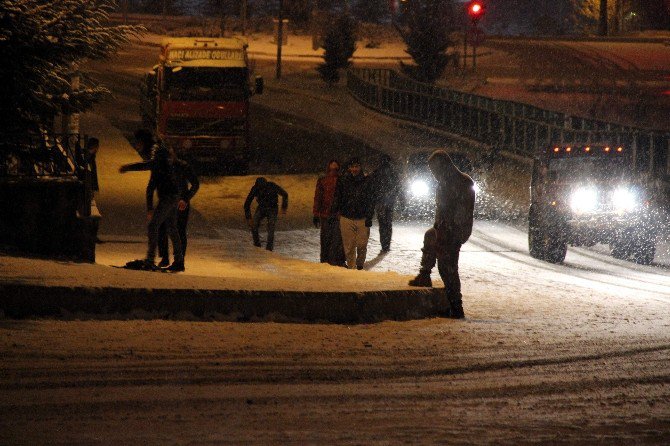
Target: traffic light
x: 475, y: 11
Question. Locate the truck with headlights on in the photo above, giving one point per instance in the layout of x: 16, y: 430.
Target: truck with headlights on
x: 586, y: 194
x: 196, y: 99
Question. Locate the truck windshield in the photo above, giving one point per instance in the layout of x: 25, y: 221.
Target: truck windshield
x: 593, y: 168
x: 207, y: 84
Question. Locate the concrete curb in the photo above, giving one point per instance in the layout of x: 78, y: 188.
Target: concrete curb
x: 20, y: 301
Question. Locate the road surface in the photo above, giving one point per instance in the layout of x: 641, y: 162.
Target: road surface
x: 577, y: 353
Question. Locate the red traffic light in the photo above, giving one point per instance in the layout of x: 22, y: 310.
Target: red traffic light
x: 475, y: 10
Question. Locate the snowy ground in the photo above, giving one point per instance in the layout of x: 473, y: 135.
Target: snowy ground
x: 577, y: 353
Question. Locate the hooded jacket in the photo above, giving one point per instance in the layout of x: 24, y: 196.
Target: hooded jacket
x: 353, y: 197
x: 454, y: 198
x: 324, y: 194
x: 162, y: 180
x: 267, y: 195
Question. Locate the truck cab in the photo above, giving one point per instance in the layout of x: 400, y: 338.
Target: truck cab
x: 586, y: 194
x: 197, y: 99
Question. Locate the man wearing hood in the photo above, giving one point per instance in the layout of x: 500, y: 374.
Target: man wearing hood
x: 331, y: 239
x: 386, y: 183
x: 455, y: 203
x: 267, y: 195
x: 353, y: 203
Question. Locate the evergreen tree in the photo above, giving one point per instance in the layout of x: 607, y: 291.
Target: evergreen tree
x: 426, y: 26
x: 339, y: 45
x: 40, y: 42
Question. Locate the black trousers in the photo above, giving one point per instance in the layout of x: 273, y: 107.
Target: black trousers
x: 259, y: 216
x: 445, y: 251
x: 385, y: 219
x: 332, y: 251
x: 165, y: 213
x: 182, y: 223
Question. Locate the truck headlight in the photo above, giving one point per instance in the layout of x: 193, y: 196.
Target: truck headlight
x: 419, y: 188
x: 624, y: 199
x: 584, y: 199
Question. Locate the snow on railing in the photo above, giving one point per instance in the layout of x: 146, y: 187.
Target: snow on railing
x: 506, y: 125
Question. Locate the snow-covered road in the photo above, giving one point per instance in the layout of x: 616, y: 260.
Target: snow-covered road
x: 498, y: 253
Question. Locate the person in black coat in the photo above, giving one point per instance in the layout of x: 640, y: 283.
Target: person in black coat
x: 163, y: 180
x: 267, y: 195
x: 188, y: 184
x: 386, y: 183
x: 353, y: 204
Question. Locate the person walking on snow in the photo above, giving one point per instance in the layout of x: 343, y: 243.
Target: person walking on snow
x: 267, y: 195
x: 455, y: 202
x: 353, y: 203
x: 386, y: 183
x: 188, y: 184
x: 330, y: 237
x: 163, y: 181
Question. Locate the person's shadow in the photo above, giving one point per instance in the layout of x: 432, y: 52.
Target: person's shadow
x: 374, y: 262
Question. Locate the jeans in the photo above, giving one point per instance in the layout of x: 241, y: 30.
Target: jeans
x: 165, y: 213
x: 182, y: 223
x: 259, y: 215
x: 443, y: 249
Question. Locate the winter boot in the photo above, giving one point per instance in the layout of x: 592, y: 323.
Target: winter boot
x: 422, y: 280
x: 176, y: 267
x: 164, y: 262
x: 456, y: 305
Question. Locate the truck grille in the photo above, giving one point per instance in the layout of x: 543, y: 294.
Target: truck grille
x: 205, y: 127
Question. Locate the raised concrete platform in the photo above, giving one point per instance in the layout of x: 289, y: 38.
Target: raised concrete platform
x: 32, y: 301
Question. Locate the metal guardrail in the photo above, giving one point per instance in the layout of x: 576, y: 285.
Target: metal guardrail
x: 504, y: 125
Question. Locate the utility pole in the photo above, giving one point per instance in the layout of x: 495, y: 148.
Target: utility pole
x: 280, y: 37
x: 603, y: 18
x: 243, y: 14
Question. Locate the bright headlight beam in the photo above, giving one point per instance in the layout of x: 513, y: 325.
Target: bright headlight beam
x: 419, y: 188
x: 584, y: 199
x: 624, y: 199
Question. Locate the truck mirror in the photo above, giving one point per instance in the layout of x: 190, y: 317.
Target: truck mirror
x: 260, y: 85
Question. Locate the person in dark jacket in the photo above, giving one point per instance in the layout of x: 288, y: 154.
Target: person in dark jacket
x: 91, y: 150
x: 267, y: 195
x: 386, y: 182
x: 188, y: 184
x: 455, y: 203
x: 353, y: 203
x: 163, y: 181
x: 331, y: 238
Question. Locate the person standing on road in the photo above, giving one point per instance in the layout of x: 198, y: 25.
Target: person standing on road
x: 267, y: 195
x: 188, y: 184
x: 353, y: 203
x: 163, y: 181
x: 386, y: 183
x: 331, y: 238
x: 455, y: 202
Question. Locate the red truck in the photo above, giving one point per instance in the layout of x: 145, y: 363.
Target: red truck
x: 197, y: 99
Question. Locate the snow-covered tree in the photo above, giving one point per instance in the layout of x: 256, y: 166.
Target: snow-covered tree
x: 426, y: 26
x: 41, y: 43
x: 339, y: 45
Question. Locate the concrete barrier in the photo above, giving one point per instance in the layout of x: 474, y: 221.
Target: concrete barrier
x: 30, y: 301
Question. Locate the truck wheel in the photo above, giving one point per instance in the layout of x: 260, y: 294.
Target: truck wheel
x: 536, y: 243
x: 644, y: 251
x: 622, y: 247
x: 557, y: 250
x: 545, y: 242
